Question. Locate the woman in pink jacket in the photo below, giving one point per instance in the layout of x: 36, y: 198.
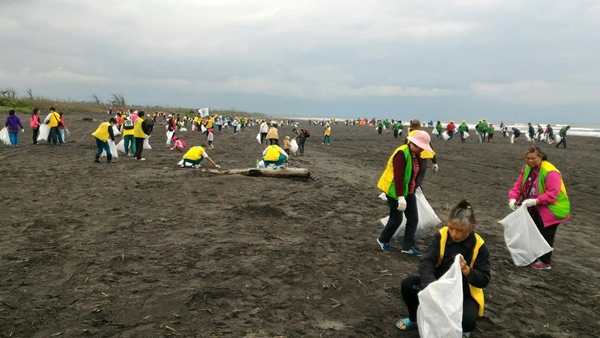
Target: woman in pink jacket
x: 541, y: 189
x: 35, y: 123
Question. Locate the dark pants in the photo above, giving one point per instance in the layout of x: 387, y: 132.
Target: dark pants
x: 273, y: 141
x: 395, y: 134
x: 139, y: 147
x: 54, y: 136
x: 548, y: 232
x: 410, y: 297
x: 103, y: 145
x: 563, y: 141
x: 263, y: 136
x: 462, y: 136
x: 301, y: 140
x: 412, y: 218
x: 36, y: 132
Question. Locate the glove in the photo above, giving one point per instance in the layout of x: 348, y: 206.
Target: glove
x: 22, y: 130
x: 512, y: 204
x: 435, y: 167
x: 68, y: 132
x: 217, y: 166
x: 531, y: 202
x: 401, y: 203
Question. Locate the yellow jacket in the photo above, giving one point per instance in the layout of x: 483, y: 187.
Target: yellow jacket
x: 102, y: 132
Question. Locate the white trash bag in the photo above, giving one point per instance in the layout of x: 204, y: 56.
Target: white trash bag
x: 170, y: 136
x: 202, y: 128
x: 147, y: 144
x: 44, y: 133
x: 445, y: 136
x: 116, y: 131
x: 183, y: 129
x: 440, y: 309
x: 121, y: 147
x: 522, y: 237
x: 258, y: 138
x: 512, y: 139
x: 428, y: 219
x: 434, y: 132
x: 557, y: 138
x: 5, y: 137
x: 113, y: 150
x: 466, y: 134
x: 293, y: 145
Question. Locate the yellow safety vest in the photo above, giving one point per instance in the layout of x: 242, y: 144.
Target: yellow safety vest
x: 386, y: 181
x: 272, y: 153
x: 194, y: 154
x: 138, y: 131
x: 476, y: 293
x: 102, y: 132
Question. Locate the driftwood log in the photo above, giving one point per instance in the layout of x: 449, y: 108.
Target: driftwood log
x: 264, y: 172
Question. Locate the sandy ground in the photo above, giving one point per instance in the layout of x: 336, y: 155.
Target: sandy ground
x: 146, y: 249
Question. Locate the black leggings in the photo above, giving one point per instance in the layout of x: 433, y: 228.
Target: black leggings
x: 36, y: 132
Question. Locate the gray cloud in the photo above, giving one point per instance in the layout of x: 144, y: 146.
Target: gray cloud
x: 446, y: 59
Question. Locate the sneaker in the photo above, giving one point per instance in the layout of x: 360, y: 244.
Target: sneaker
x: 412, y: 251
x: 384, y: 246
x: 141, y: 159
x: 466, y: 334
x: 97, y: 161
x: 539, y: 265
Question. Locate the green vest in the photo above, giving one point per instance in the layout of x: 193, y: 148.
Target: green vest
x: 562, y: 206
x: 386, y: 181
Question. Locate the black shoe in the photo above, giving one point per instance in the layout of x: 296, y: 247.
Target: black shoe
x: 97, y: 161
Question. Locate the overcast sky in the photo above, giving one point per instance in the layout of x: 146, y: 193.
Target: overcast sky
x: 535, y: 60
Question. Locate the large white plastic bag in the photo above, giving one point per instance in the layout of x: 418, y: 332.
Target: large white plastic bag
x: 440, y: 310
x: 121, y: 146
x: 294, y: 145
x: 147, y: 144
x: 435, y: 132
x: 5, y: 137
x: 202, y: 128
x: 44, y: 133
x: 169, y: 136
x: 445, y: 136
x: 557, y: 138
x: 428, y: 219
x: 113, y: 150
x: 522, y: 237
x: 116, y: 131
x: 466, y: 134
x: 258, y: 138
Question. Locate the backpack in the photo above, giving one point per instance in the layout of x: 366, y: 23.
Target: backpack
x: 128, y: 125
x: 305, y: 132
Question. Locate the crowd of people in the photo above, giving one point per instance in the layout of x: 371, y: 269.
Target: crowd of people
x: 539, y: 186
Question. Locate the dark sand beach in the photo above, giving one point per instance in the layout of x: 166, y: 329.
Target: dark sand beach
x: 147, y: 249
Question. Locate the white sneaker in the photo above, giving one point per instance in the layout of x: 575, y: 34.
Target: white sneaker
x: 141, y: 159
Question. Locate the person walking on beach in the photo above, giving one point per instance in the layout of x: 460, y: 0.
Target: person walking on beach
x: 398, y: 128
x: 458, y: 237
x: 563, y: 136
x: 399, y: 182
x: 35, y: 124
x: 13, y: 124
x: 264, y: 130
x: 273, y: 135
x: 438, y: 128
x: 463, y: 128
x: 490, y: 131
x: 102, y: 134
x: 140, y: 132
x: 450, y: 128
x: 327, y: 134
x: 541, y: 189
